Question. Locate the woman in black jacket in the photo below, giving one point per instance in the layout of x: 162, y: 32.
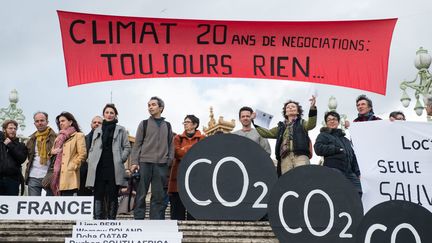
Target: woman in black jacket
x: 12, y: 154
x: 337, y: 150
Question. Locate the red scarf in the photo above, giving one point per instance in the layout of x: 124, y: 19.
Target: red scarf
x: 60, y: 140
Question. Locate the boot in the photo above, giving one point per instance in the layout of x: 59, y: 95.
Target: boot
x: 112, y: 209
x: 99, y: 210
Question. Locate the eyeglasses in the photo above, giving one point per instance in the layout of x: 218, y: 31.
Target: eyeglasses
x: 331, y: 119
x: 186, y: 122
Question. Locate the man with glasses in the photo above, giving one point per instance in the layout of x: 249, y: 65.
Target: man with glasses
x: 337, y: 150
x: 39, y: 147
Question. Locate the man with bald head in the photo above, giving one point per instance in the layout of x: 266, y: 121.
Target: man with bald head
x: 83, y: 191
x: 39, y: 146
x: 95, y: 122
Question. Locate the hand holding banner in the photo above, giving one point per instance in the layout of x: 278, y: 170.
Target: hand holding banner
x: 395, y: 161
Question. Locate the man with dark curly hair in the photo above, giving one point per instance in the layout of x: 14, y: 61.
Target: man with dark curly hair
x: 365, y: 109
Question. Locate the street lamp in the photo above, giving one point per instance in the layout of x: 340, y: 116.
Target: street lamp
x: 12, y: 111
x: 422, y: 62
x: 332, y: 105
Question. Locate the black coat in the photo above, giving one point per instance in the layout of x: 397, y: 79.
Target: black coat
x: 337, y: 150
x: 11, y: 158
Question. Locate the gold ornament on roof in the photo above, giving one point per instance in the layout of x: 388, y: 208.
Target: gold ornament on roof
x: 222, y: 126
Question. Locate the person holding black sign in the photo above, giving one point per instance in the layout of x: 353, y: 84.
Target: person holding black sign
x: 109, y: 149
x: 293, y: 145
x: 337, y: 150
x: 12, y: 154
x: 182, y: 143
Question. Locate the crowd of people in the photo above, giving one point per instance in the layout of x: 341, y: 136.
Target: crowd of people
x: 69, y: 163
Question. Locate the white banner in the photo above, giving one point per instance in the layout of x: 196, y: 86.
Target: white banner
x: 395, y: 160
x: 149, y: 225
x: 139, y: 231
x: 46, y: 208
x: 128, y: 240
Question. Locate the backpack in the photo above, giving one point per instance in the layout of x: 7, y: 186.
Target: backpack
x: 145, y: 122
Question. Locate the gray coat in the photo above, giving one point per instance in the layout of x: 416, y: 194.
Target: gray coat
x: 121, y: 149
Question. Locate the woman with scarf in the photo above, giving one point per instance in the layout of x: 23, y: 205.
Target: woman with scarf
x: 182, y: 143
x: 70, y: 150
x: 293, y: 145
x: 337, y: 151
x: 108, y: 151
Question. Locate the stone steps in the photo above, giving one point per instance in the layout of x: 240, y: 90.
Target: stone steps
x: 193, y: 231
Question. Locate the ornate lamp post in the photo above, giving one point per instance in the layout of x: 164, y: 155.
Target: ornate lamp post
x: 423, y: 88
x: 332, y: 105
x: 12, y: 111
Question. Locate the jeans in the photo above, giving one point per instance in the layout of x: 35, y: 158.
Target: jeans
x: 156, y: 175
x: 35, y: 187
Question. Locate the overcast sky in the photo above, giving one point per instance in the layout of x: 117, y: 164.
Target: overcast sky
x: 31, y: 61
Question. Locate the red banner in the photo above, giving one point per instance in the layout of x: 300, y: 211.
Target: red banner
x: 344, y: 53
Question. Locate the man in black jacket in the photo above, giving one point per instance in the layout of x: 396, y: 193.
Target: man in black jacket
x: 12, y: 154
